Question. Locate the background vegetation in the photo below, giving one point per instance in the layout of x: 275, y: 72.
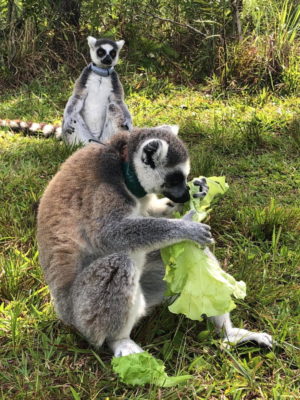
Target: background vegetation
x: 228, y: 73
x: 233, y: 44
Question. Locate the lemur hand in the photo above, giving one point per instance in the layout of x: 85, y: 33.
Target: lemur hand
x: 197, y: 231
x: 128, y: 124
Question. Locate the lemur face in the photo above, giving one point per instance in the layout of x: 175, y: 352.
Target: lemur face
x: 162, y: 165
x: 104, y: 52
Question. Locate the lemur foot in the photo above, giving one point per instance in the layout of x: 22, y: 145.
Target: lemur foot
x: 203, y: 188
x: 165, y: 207
x: 124, y: 347
x: 236, y: 336
x: 170, y: 207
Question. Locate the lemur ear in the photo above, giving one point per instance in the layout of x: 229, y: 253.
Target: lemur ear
x: 91, y: 41
x: 171, y: 128
x: 174, y: 129
x: 120, y: 44
x: 151, y: 147
x: 153, y: 151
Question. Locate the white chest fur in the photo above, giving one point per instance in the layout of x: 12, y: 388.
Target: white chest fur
x: 94, y: 110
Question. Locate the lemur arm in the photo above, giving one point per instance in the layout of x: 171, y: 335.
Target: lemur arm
x: 73, y: 123
x: 147, y: 234
x: 117, y: 96
x: 126, y: 113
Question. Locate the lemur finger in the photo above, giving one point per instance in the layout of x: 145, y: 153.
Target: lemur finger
x: 199, y: 195
x: 203, y: 188
x: 189, y: 215
x: 200, y: 182
x: 206, y: 236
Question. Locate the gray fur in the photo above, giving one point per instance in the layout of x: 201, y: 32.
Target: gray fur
x: 152, y: 282
x: 86, y: 115
x: 103, y: 289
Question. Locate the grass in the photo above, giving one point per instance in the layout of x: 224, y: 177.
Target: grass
x: 254, y: 141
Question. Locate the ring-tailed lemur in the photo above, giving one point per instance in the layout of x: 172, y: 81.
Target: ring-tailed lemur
x: 85, y: 115
x: 99, y: 234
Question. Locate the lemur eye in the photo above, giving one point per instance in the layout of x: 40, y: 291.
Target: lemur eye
x: 113, y: 53
x: 101, y: 52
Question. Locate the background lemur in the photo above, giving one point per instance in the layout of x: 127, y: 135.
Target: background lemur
x: 99, y: 234
x: 85, y: 115
x: 96, y: 109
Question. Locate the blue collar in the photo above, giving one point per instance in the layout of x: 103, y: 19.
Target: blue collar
x: 101, y: 71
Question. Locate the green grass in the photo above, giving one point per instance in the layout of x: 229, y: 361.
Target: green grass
x: 254, y: 141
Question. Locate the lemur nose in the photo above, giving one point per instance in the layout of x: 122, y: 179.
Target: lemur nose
x: 106, y: 60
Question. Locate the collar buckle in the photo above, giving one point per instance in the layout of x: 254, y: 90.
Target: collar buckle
x: 101, y: 71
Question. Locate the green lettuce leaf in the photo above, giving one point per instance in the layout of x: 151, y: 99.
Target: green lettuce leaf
x: 202, y: 287
x: 143, y: 368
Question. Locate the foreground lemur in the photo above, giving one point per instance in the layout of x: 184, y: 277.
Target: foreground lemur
x: 85, y: 115
x: 100, y: 231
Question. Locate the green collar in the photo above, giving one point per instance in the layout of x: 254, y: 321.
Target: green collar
x: 131, y: 181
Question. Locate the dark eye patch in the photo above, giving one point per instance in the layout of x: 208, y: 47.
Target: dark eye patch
x: 174, y: 179
x: 113, y: 53
x: 101, y: 52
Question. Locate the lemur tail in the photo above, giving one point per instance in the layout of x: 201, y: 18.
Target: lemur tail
x: 46, y: 129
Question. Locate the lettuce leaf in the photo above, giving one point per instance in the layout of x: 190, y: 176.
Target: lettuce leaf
x: 143, y: 368
x: 193, y: 273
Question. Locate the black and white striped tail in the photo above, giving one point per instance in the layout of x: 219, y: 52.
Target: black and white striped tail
x: 17, y: 125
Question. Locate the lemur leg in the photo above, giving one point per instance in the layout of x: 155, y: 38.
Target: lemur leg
x: 155, y: 207
x: 150, y: 294
x: 75, y: 130
x: 107, y: 302
x: 120, y: 343
x: 80, y: 132
x: 236, y: 335
x: 232, y: 335
x: 152, y: 283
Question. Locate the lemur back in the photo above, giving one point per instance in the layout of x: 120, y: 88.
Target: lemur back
x: 86, y: 113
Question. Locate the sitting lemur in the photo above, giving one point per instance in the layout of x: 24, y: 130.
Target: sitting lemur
x: 96, y: 109
x: 85, y: 117
x: 100, y: 228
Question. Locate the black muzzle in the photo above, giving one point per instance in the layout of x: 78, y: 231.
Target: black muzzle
x: 178, y: 195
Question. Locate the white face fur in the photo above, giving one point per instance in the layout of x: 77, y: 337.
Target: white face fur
x: 150, y: 166
x: 105, y: 54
